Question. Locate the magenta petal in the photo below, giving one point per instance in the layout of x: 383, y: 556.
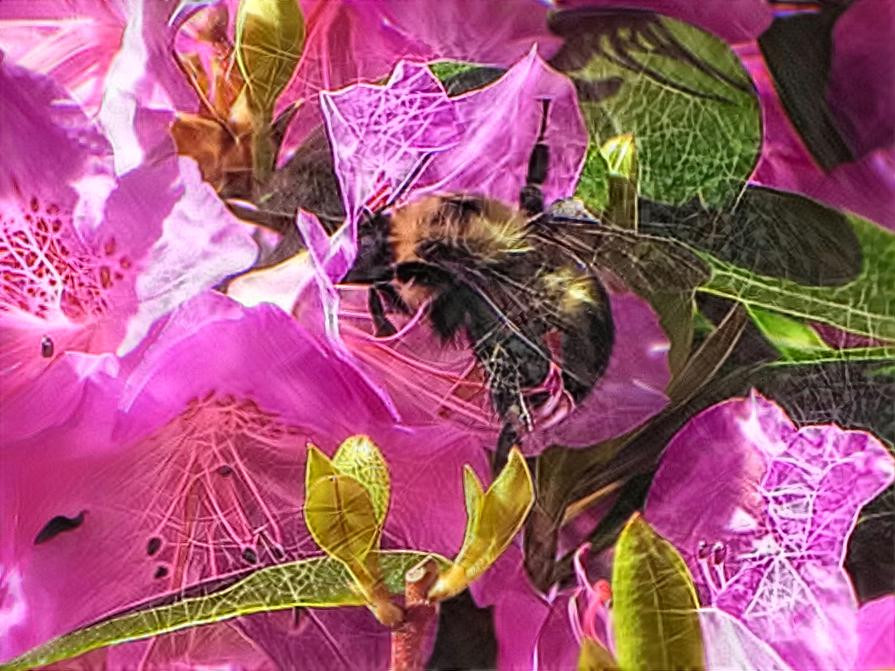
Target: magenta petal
x: 730, y: 645
x: 860, y: 91
x: 197, y: 473
x: 632, y: 389
x: 532, y: 631
x: 865, y: 186
x: 876, y: 635
x: 350, y: 41
x: 89, y: 262
x: 783, y: 502
x: 71, y: 41
x: 478, y: 142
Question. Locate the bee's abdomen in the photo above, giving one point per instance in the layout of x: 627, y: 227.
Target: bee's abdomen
x: 587, y: 340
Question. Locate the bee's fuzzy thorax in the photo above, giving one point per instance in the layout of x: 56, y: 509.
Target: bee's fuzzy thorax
x: 481, y: 229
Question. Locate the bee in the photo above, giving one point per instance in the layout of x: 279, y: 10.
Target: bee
x: 522, y: 284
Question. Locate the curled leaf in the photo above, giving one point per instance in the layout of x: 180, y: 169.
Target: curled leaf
x: 494, y: 519
x: 270, y: 35
x: 359, y: 457
x: 655, y: 607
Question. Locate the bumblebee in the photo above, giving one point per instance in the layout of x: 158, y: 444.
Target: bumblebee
x: 520, y: 283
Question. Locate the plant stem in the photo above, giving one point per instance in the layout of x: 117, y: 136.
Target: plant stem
x: 409, y: 638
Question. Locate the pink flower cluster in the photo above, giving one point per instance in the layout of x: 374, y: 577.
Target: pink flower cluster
x: 157, y: 401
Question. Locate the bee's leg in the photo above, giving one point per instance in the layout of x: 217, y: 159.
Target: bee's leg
x: 377, y: 311
x: 531, y: 198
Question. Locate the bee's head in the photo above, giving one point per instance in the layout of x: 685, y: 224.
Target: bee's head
x: 374, y: 253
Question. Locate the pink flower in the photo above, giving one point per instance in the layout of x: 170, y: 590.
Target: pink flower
x: 71, y: 41
x: 88, y: 261
x: 190, y: 467
x: 770, y: 548
x: 767, y: 553
x: 859, y: 71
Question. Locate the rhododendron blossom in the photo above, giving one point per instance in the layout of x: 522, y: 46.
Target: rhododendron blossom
x: 766, y: 555
x: 90, y: 260
x: 190, y: 469
x: 366, y: 334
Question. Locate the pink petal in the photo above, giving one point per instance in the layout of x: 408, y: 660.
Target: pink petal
x: 631, y: 390
x: 730, y: 645
x: 876, y: 635
x: 71, y: 41
x: 781, y: 511
x: 860, y: 69
x: 533, y: 632
x: 349, y: 42
x: 481, y: 141
x: 202, y: 448
x: 865, y: 186
x: 89, y: 262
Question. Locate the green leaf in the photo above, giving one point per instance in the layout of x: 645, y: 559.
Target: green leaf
x: 769, y: 232
x: 681, y: 91
x: 865, y: 305
x: 654, y: 603
x: 270, y: 35
x: 792, y: 338
x: 501, y: 513
x: 320, y: 582
x: 340, y: 517
x: 359, y: 457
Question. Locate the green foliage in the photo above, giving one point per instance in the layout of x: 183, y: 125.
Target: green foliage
x: 320, y: 582
x: 865, y: 305
x: 654, y: 609
x: 681, y: 92
x: 493, y: 519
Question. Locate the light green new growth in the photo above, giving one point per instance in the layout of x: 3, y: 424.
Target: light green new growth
x: 654, y: 603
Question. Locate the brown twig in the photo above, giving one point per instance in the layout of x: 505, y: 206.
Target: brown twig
x: 409, y: 638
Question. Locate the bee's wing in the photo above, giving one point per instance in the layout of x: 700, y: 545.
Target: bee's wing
x: 645, y: 263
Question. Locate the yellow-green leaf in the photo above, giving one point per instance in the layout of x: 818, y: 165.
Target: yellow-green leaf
x: 594, y: 657
x: 792, y: 338
x: 502, y: 511
x: 359, y: 457
x: 340, y: 517
x: 319, y: 582
x: 654, y: 603
x: 270, y: 35
x: 621, y: 156
x: 474, y: 496
x: 318, y: 466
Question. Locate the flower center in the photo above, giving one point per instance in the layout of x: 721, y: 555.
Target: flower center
x: 212, y: 513
x: 45, y: 268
